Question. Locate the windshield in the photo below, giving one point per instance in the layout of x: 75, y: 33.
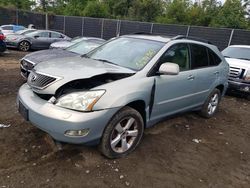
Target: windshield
x: 127, y: 52
x: 83, y: 47
x: 237, y: 52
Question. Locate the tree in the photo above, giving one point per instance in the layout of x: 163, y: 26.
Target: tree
x: 74, y: 7
x: 96, y: 9
x: 231, y: 15
x: 176, y: 11
x: 119, y: 8
x: 19, y: 4
x: 145, y: 10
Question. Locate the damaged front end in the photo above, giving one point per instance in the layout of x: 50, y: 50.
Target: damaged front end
x: 77, y: 94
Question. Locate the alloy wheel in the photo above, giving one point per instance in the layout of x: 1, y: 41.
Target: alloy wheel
x: 124, y: 135
x: 213, y: 103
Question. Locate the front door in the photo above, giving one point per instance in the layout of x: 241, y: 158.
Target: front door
x: 174, y: 93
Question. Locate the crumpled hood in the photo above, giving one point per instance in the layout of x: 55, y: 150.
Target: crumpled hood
x: 75, y: 68
x: 45, y: 55
x: 239, y: 63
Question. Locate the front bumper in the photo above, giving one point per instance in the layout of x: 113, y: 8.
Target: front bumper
x: 56, y: 120
x: 240, y: 86
x: 2, y: 46
x: 10, y: 44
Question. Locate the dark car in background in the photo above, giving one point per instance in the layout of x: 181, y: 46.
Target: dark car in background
x: 80, y: 48
x: 2, y: 43
x: 37, y: 40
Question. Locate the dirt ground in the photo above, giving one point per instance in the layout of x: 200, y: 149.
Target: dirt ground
x: 167, y: 157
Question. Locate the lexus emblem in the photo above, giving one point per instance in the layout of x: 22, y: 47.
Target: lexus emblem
x: 33, y: 78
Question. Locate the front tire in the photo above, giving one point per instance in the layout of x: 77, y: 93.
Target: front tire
x: 122, y: 134
x: 24, y: 46
x: 210, y: 107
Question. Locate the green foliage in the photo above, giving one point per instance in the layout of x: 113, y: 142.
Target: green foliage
x: 233, y: 14
x: 20, y: 4
x: 96, y: 9
x: 118, y: 8
x: 145, y: 10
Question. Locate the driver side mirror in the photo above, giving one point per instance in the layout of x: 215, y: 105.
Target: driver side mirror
x: 169, y: 69
x: 36, y: 36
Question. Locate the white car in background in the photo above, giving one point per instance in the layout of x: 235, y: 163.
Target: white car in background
x: 238, y: 58
x: 10, y: 29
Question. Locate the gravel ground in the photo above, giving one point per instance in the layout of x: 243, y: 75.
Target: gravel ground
x: 182, y: 151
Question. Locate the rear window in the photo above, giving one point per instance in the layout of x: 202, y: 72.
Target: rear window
x: 56, y: 35
x: 237, y: 52
x: 199, y: 56
x: 7, y: 27
x: 214, y: 59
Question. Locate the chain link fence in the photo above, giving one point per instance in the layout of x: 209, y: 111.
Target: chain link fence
x: 107, y: 28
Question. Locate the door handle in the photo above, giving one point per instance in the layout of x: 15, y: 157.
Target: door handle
x: 190, y: 77
x: 216, y: 72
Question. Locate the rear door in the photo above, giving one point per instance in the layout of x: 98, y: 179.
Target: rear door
x: 42, y: 40
x: 56, y: 37
x: 206, y: 70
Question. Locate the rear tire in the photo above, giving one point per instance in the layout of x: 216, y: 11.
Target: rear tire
x: 210, y: 107
x: 24, y: 46
x: 122, y: 134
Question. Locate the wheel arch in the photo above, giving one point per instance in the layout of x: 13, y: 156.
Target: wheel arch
x: 220, y: 87
x: 140, y: 106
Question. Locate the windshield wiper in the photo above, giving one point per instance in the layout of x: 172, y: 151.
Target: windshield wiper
x: 227, y: 56
x: 85, y: 55
x: 106, y: 61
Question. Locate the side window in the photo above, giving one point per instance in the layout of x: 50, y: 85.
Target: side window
x: 214, y: 59
x: 7, y: 27
x: 44, y: 34
x: 179, y: 54
x: 56, y: 35
x: 199, y: 56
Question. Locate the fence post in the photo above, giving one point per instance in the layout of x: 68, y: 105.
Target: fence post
x: 231, y: 36
x: 188, y: 31
x: 17, y: 17
x: 118, y: 28
x: 152, y: 27
x: 82, y: 25
x: 46, y: 21
x: 102, y: 28
x: 63, y: 24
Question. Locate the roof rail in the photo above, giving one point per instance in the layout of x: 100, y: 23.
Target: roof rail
x: 191, y: 38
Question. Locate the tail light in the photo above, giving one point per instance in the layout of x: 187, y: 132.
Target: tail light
x: 2, y: 37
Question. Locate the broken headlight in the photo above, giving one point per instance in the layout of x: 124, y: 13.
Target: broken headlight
x: 81, y: 101
x: 247, y: 77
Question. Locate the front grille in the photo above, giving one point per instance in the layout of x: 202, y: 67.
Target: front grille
x: 236, y: 73
x: 27, y: 65
x: 40, y: 81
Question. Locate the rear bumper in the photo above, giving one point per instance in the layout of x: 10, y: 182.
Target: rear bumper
x: 239, y: 86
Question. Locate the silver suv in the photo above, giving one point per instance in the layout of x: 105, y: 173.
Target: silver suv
x: 110, y: 95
